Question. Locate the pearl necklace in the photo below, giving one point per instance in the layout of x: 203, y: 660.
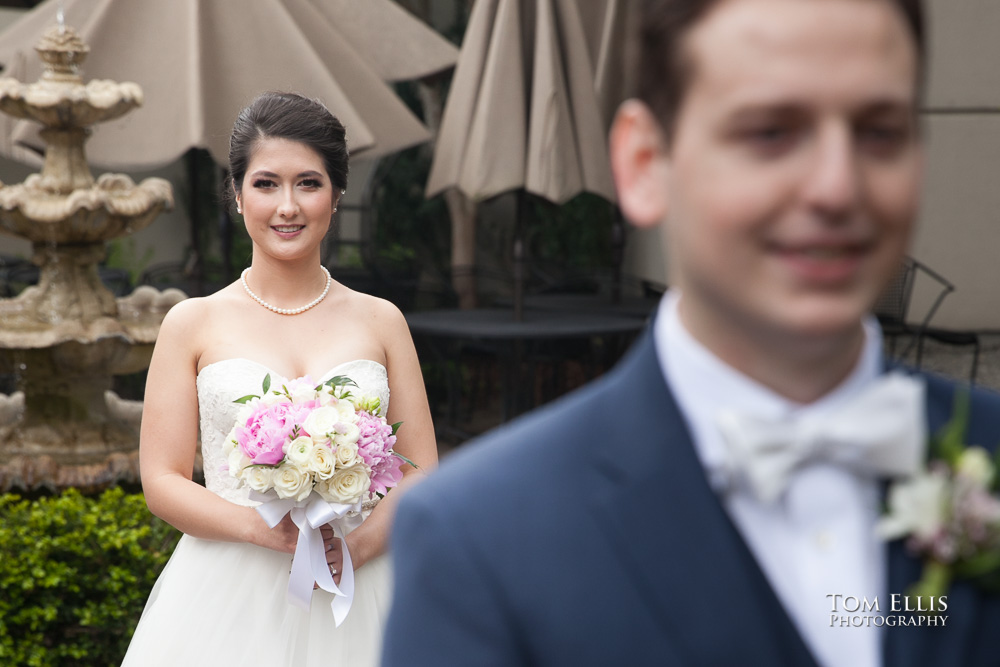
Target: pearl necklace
x: 286, y: 311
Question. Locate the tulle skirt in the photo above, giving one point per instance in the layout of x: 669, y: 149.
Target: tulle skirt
x: 222, y: 603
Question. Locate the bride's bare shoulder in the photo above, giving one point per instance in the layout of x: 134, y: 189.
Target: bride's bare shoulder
x: 194, y: 314
x: 379, y: 311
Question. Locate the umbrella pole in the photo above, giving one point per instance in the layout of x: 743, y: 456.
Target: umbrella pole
x: 194, y: 193
x: 520, y: 262
x: 226, y: 234
x: 617, y: 255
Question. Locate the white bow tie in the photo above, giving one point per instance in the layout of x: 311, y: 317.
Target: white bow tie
x: 879, y: 431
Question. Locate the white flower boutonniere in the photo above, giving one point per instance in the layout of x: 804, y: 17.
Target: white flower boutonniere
x: 949, y: 512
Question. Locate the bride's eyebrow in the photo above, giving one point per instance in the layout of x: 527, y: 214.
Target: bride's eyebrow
x: 264, y: 173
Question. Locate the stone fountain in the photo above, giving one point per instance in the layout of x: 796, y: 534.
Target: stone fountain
x: 65, y: 338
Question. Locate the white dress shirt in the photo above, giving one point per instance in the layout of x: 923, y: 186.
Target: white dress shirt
x: 818, y: 539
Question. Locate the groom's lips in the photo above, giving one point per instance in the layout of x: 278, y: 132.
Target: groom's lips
x: 823, y: 263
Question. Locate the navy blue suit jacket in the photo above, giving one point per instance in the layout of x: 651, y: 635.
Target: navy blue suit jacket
x: 586, y: 534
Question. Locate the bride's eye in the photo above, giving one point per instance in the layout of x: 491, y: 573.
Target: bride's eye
x: 312, y: 183
x: 263, y: 183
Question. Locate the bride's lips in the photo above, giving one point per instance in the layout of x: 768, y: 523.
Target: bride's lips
x: 287, y: 231
x: 824, y: 264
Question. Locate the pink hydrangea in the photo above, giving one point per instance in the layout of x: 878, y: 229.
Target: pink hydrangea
x: 269, y: 429
x: 375, y: 448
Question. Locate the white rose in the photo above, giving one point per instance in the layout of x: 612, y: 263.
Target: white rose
x: 244, y: 412
x: 292, y: 482
x: 976, y: 465
x: 345, y: 412
x: 237, y: 462
x: 347, y: 485
x: 322, y: 461
x: 321, y: 421
x: 349, y: 436
x: 299, y: 451
x: 259, y: 478
x: 303, y: 393
x: 326, y: 396
x: 270, y: 398
x: 347, y: 453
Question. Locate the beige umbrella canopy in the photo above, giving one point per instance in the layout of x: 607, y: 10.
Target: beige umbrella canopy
x: 608, y: 26
x: 199, y: 62
x: 393, y: 43
x: 523, y: 111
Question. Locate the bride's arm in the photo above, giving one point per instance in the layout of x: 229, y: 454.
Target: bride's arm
x: 168, y: 442
x: 415, y: 439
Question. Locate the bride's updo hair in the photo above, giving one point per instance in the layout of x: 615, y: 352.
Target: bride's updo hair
x: 295, y: 118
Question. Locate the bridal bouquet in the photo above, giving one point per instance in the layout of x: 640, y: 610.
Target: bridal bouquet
x: 305, y: 438
x: 314, y: 452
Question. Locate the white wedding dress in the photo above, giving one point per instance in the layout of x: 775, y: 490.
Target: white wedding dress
x: 223, y: 603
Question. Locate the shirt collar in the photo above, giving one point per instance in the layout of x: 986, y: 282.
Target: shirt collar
x: 703, y: 384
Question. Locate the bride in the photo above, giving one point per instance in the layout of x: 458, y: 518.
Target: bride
x: 221, y: 598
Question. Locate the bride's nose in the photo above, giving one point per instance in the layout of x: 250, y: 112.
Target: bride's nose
x: 288, y: 207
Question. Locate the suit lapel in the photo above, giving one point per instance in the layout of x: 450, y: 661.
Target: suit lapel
x: 677, y: 544
x: 915, y: 646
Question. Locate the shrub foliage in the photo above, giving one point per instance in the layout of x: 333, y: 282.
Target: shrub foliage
x: 75, y: 572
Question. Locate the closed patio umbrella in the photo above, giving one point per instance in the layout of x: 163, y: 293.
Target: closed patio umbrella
x: 199, y: 62
x: 523, y: 112
x: 608, y: 26
x: 396, y: 45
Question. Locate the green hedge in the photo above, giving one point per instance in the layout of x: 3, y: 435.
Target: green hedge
x: 75, y: 572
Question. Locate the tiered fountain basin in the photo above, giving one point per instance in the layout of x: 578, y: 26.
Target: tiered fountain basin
x: 63, y: 339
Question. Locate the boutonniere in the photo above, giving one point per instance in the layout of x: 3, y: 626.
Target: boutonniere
x: 949, y: 512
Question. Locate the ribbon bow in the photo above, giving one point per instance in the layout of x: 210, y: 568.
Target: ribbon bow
x: 881, y: 430
x: 309, y: 562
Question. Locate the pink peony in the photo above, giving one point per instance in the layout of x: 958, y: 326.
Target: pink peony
x: 375, y: 449
x: 268, y: 430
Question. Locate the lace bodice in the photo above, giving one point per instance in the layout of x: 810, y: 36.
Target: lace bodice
x: 222, y: 382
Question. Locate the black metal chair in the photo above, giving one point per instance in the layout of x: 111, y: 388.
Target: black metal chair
x: 893, y: 308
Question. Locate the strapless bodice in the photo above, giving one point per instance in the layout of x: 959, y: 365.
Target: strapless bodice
x: 222, y: 382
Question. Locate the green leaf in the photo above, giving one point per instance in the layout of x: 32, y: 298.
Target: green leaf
x: 949, y: 441
x: 246, y: 399
x: 395, y: 427
x: 933, y: 582
x: 996, y: 470
x: 267, y: 383
x: 406, y: 460
x: 978, y: 565
x: 341, y: 381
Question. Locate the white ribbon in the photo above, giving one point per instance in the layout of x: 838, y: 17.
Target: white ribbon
x: 309, y: 564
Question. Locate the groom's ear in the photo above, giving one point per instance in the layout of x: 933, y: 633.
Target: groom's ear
x: 640, y: 164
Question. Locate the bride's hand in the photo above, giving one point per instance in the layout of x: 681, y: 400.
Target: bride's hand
x: 334, y: 552
x: 282, y: 537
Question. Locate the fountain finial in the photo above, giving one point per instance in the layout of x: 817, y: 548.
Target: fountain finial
x: 63, y: 51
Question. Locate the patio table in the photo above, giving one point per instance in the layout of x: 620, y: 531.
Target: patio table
x: 549, y: 335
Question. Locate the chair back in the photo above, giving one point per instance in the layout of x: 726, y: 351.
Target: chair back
x: 893, y: 306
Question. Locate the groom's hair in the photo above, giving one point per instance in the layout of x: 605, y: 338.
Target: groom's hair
x: 665, y: 68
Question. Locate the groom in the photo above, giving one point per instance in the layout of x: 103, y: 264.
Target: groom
x: 642, y: 521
